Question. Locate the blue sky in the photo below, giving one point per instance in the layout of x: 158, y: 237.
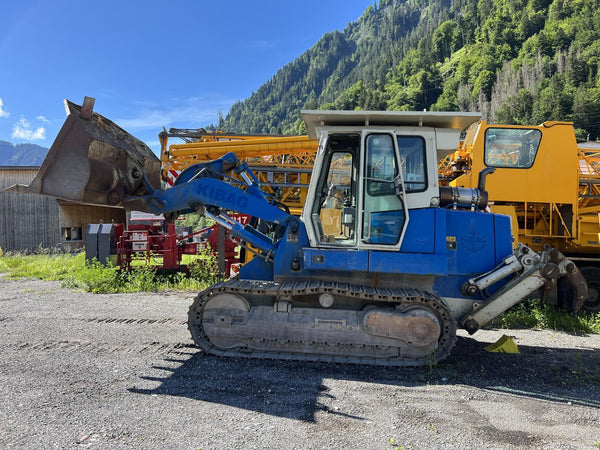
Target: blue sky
x: 148, y: 63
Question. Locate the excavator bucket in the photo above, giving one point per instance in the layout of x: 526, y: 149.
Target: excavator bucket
x: 94, y: 161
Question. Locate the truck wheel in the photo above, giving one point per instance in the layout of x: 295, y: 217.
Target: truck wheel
x: 565, y: 290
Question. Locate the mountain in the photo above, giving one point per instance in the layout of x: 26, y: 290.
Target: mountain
x: 21, y: 154
x: 516, y: 61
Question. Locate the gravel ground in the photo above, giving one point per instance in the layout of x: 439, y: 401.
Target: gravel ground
x: 119, y: 371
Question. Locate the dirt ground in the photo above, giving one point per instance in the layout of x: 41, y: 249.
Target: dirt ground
x: 119, y: 371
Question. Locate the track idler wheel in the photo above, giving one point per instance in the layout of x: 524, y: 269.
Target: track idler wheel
x: 221, y: 310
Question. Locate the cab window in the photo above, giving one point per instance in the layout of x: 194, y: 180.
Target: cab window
x: 381, y: 165
x: 511, y: 147
x: 412, y: 161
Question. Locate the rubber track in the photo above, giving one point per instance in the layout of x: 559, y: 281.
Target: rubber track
x: 396, y: 296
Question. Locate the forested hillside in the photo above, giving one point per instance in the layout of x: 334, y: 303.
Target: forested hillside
x: 516, y: 61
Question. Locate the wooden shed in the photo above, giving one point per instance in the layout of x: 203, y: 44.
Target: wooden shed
x: 32, y: 222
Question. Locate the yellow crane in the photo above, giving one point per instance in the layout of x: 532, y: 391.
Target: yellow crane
x: 549, y: 187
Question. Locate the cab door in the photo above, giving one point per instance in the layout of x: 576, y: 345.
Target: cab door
x: 383, y: 212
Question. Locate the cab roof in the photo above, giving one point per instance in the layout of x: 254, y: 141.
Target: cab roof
x: 435, y: 119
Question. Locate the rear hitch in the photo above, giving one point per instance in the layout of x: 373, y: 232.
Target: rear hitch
x: 532, y: 272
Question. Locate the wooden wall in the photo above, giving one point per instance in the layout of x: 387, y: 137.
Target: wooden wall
x: 27, y: 222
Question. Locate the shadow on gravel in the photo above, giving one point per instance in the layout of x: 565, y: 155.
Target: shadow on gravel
x: 297, y: 390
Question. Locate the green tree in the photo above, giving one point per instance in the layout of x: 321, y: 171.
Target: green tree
x: 517, y: 109
x: 553, y: 102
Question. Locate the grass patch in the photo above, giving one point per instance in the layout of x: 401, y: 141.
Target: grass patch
x: 45, y: 266
x: 74, y: 273
x: 532, y: 314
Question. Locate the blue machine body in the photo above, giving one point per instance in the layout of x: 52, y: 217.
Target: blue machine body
x: 447, y: 246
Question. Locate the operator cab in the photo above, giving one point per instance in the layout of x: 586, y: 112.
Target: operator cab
x: 371, y: 169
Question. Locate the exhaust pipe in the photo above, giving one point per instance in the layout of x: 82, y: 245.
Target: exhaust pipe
x: 94, y: 161
x: 467, y: 197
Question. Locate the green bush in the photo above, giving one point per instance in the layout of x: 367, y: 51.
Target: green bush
x: 205, y: 268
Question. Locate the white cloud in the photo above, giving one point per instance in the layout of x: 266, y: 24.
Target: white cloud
x: 42, y: 119
x: 3, y: 112
x: 22, y: 130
